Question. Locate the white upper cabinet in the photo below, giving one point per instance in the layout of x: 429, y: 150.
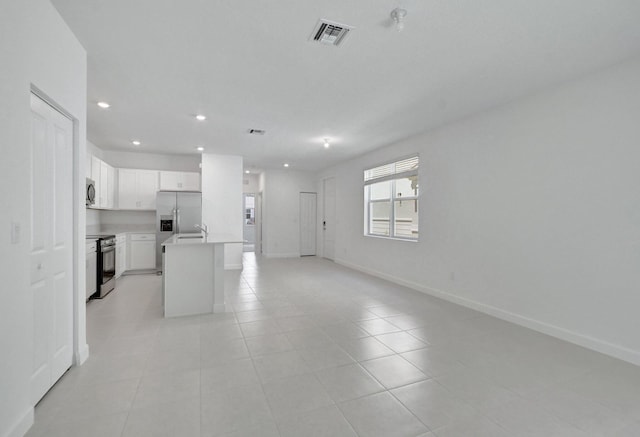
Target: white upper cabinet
x: 147, y: 188
x: 137, y: 188
x: 128, y: 188
x: 103, y: 176
x: 191, y: 181
x: 111, y: 187
x: 179, y: 181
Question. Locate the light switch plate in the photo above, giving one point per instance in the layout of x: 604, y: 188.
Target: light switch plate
x: 15, y: 232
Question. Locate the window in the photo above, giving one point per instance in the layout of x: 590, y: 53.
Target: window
x: 391, y: 200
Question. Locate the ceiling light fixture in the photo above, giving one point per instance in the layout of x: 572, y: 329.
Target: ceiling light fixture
x: 201, y: 117
x: 136, y: 142
x: 104, y: 105
x: 199, y: 148
x: 397, y: 15
x: 247, y: 171
x: 286, y: 164
x: 326, y: 143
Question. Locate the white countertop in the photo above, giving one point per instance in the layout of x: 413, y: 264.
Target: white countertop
x: 212, y: 239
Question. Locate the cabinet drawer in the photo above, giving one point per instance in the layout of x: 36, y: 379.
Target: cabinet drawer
x: 142, y: 237
x: 92, y: 247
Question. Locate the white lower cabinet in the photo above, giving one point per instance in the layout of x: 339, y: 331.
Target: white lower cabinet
x: 142, y: 251
x: 121, y: 254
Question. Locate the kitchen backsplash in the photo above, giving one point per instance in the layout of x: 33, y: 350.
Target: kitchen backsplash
x: 119, y: 221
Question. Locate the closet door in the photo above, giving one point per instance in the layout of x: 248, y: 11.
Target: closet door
x: 51, y: 245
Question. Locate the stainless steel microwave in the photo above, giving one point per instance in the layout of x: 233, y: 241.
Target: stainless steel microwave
x: 91, y: 192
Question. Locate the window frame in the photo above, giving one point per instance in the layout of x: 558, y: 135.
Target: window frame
x: 391, y: 177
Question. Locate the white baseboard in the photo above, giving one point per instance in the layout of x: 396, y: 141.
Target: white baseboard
x: 233, y: 266
x: 81, y: 356
x: 22, y: 425
x: 282, y: 255
x: 616, y: 351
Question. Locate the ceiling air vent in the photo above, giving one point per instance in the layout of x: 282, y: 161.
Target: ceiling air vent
x: 330, y: 33
x: 257, y: 131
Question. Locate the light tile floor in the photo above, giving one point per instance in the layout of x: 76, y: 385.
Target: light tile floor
x: 309, y: 348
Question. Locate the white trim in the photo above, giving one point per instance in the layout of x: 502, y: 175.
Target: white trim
x: 80, y: 351
x: 81, y: 356
x: 219, y: 308
x: 614, y: 350
x: 233, y: 266
x: 282, y: 255
x: 22, y: 425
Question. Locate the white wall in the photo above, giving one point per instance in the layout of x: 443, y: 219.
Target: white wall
x: 151, y: 161
x: 281, y: 210
x: 530, y: 211
x: 222, y: 202
x: 93, y: 221
x: 36, y: 48
x: 250, y: 183
x: 123, y: 218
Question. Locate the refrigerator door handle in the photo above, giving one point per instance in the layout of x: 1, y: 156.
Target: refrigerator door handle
x: 174, y: 212
x: 177, y: 221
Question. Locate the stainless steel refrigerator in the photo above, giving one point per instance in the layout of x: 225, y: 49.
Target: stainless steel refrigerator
x: 177, y: 212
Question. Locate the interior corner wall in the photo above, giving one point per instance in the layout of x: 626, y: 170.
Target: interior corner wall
x: 281, y: 210
x: 529, y: 212
x: 222, y: 208
x: 37, y: 49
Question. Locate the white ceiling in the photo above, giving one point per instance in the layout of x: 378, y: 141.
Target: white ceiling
x: 250, y: 64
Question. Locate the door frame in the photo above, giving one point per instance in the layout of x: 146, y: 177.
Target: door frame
x: 315, y: 222
x: 79, y: 214
x: 322, y: 216
x: 255, y: 218
x: 258, y: 214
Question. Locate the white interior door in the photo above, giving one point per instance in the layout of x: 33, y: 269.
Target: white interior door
x: 329, y: 218
x: 51, y: 245
x: 308, y: 214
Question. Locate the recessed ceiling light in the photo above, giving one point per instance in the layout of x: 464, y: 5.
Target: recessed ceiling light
x: 326, y: 143
x: 201, y: 117
x: 136, y: 142
x: 247, y: 171
x: 199, y: 148
x: 286, y: 164
x: 103, y: 105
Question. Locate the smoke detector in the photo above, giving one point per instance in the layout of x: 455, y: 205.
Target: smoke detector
x: 330, y: 33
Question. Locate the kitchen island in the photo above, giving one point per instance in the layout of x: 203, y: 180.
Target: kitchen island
x: 193, y: 274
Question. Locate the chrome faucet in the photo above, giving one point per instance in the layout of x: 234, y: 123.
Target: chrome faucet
x: 204, y: 228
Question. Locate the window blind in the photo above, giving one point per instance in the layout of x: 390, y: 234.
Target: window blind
x: 404, y: 167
